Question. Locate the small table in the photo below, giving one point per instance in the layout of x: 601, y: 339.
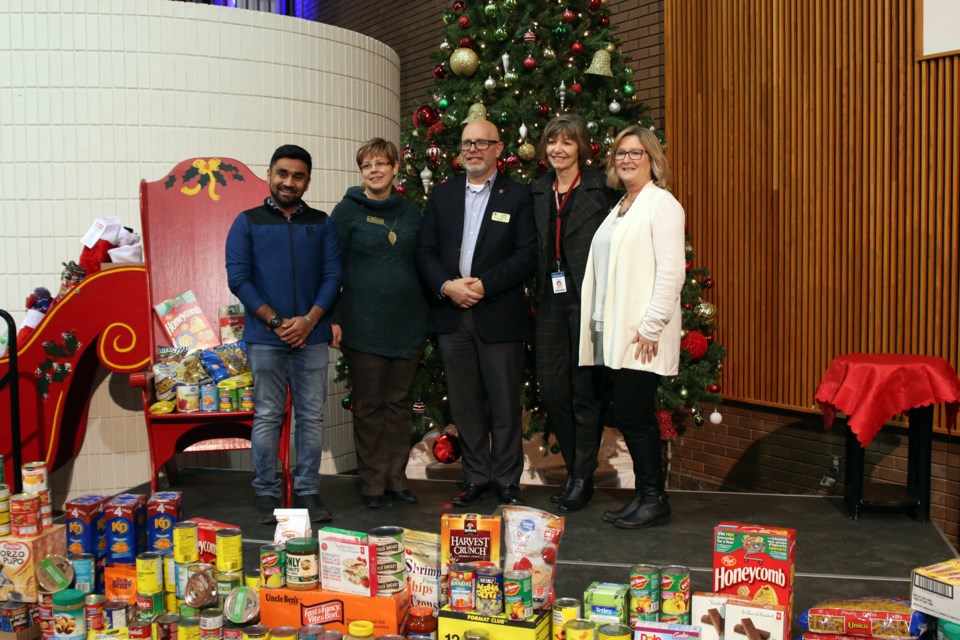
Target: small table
x: 870, y: 388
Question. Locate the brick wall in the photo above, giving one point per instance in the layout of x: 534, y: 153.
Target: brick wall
x: 766, y: 450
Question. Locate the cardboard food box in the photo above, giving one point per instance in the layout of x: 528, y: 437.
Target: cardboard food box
x: 333, y: 609
x: 755, y: 563
x: 163, y: 511
x: 756, y: 621
x: 467, y: 537
x: 20, y: 558
x: 347, y: 566
x: 666, y: 631
x: 708, y: 611
x: 231, y: 322
x: 453, y: 624
x: 30, y: 633
x: 86, y: 525
x: 936, y: 590
x: 207, y: 537
x: 126, y: 527
x: 185, y: 323
x: 607, y: 603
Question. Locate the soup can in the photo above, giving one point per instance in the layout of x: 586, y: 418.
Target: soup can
x: 140, y: 630
x: 488, y: 593
x: 461, y: 581
x: 229, y: 550
x: 34, y: 476
x: 93, y: 608
x: 166, y: 626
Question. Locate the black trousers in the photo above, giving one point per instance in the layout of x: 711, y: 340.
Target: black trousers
x: 483, y: 385
x: 570, y: 394
x: 634, y: 404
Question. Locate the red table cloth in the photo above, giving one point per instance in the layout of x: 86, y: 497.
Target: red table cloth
x: 871, y: 388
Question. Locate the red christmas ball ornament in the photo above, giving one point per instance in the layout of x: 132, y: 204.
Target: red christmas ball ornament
x: 439, y: 72
x: 542, y: 165
x: 466, y: 43
x: 604, y: 20
x: 577, y: 47
x: 595, y: 149
x: 714, y: 388
x: 544, y: 109
x: 595, y: 4
x: 424, y: 116
x: 529, y: 36
x: 689, y: 265
x: 433, y: 152
x: 419, y: 407
x: 687, y: 306
x: 455, y: 163
x: 512, y: 161
x: 464, y: 22
x: 695, y: 343
x: 500, y: 166
x: 667, y: 430
x: 568, y: 15
x: 402, y: 189
x: 708, y: 283
x: 446, y: 448
x: 529, y: 63
x: 459, y: 6
x: 576, y: 88
x: 406, y: 153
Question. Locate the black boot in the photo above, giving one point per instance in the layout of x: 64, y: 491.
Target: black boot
x: 567, y: 486
x: 643, y: 443
x: 654, y: 510
x: 627, y: 509
x: 580, y: 494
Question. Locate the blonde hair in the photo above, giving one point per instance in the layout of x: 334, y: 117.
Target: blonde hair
x: 574, y: 128
x: 378, y: 147
x: 659, y: 169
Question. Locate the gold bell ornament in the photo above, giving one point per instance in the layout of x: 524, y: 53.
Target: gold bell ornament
x: 476, y: 112
x: 600, y: 64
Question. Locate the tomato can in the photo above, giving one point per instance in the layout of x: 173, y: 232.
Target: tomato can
x: 488, y: 592
x: 139, y: 629
x: 580, y: 629
x: 229, y: 550
x: 675, y: 594
x: 93, y: 608
x: 518, y: 594
x: 564, y: 610
x: 185, y: 548
x: 461, y: 583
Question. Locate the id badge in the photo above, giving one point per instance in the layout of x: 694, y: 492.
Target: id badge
x: 559, y: 282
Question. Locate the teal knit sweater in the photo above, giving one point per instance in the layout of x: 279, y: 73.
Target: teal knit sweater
x: 381, y: 309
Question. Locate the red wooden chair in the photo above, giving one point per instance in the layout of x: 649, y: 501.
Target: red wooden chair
x: 185, y: 218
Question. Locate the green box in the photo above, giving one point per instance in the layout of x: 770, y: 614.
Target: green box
x: 606, y: 602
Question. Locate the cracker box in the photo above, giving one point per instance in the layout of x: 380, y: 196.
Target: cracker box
x: 86, y: 525
x: 936, y: 590
x: 207, y: 537
x: 126, y: 527
x: 349, y: 567
x: 708, y: 611
x: 756, y: 621
x: 163, y: 511
x: 334, y: 610
x: 453, y: 624
x: 20, y: 558
x: 467, y: 537
x: 665, y: 631
x: 755, y: 563
x: 231, y: 323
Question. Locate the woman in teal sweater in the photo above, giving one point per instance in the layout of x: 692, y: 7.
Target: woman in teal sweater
x: 381, y: 320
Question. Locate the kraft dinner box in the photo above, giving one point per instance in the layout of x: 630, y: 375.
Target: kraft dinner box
x: 335, y: 610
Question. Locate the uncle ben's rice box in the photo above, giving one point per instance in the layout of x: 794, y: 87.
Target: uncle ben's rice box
x: 755, y: 563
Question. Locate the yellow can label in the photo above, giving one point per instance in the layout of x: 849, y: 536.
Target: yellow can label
x: 229, y: 550
x: 185, y: 543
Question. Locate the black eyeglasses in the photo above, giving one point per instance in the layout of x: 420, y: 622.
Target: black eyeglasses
x: 635, y: 154
x: 480, y: 145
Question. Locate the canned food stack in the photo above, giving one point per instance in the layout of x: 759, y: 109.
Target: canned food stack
x: 391, y: 559
x: 25, y: 515
x: 4, y: 507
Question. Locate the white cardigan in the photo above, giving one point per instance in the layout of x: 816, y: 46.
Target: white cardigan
x: 645, y: 275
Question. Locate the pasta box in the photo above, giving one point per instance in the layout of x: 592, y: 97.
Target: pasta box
x: 754, y: 562
x: 20, y: 557
x: 936, y: 590
x: 333, y: 609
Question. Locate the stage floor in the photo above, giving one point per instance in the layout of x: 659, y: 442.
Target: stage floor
x: 836, y: 557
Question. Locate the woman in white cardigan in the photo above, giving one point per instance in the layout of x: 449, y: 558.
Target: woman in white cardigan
x: 630, y: 318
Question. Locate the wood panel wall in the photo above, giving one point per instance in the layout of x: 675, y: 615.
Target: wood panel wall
x: 818, y: 162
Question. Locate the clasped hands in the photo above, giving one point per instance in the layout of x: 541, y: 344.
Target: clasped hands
x: 464, y: 292
x: 294, y: 331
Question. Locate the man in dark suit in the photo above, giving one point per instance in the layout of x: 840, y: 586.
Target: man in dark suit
x: 478, y: 244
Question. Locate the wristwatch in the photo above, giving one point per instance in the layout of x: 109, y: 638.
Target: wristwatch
x: 275, y: 321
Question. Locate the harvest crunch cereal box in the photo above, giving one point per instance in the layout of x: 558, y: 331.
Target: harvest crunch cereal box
x: 467, y: 537
x: 755, y: 563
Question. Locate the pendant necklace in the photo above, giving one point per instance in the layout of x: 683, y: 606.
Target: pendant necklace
x: 391, y: 235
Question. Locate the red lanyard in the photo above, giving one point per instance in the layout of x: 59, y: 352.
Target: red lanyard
x: 560, y: 205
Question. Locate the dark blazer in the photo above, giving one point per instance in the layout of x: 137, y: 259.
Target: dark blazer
x: 505, y: 256
x: 590, y: 207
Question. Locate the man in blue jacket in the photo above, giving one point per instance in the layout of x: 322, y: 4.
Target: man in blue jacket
x: 283, y: 263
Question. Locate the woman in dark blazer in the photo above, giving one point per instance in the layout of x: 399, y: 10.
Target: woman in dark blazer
x: 570, y: 201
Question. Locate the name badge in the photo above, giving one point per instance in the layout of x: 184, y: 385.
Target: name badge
x: 559, y: 282
x: 375, y: 220
x: 501, y: 217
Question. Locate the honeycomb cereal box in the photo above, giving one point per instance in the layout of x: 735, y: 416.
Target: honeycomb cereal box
x: 467, y: 537
x: 126, y: 528
x: 86, y: 525
x: 207, y: 537
x: 163, y: 511
x: 755, y: 563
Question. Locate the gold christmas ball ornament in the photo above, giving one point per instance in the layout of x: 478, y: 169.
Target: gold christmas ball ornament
x: 527, y: 152
x: 706, y: 310
x: 610, y: 47
x: 464, y: 62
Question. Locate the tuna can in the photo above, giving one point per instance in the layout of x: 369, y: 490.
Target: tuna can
x: 310, y: 632
x: 518, y: 594
x: 283, y: 633
x: 150, y: 605
x: 231, y: 631
x: 564, y: 610
x: 256, y: 632
x: 246, y: 404
x: 54, y: 573
x: 389, y: 583
x: 139, y: 630
x: 166, y: 626
x: 149, y: 573
x: 461, y: 581
x: 614, y: 631
x: 251, y: 578
x: 389, y: 541
x: 84, y: 571
x: 675, y: 594
x: 208, y: 397
x: 188, y: 629
x: 488, y: 593
x: 93, y: 609
x: 229, y: 550
x: 241, y: 606
x: 185, y: 542
x: 34, y: 475
x: 115, y: 615
x: 273, y: 560
x: 225, y: 400
x: 211, y: 619
x: 580, y: 629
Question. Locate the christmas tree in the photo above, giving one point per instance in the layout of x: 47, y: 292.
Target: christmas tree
x: 517, y: 64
